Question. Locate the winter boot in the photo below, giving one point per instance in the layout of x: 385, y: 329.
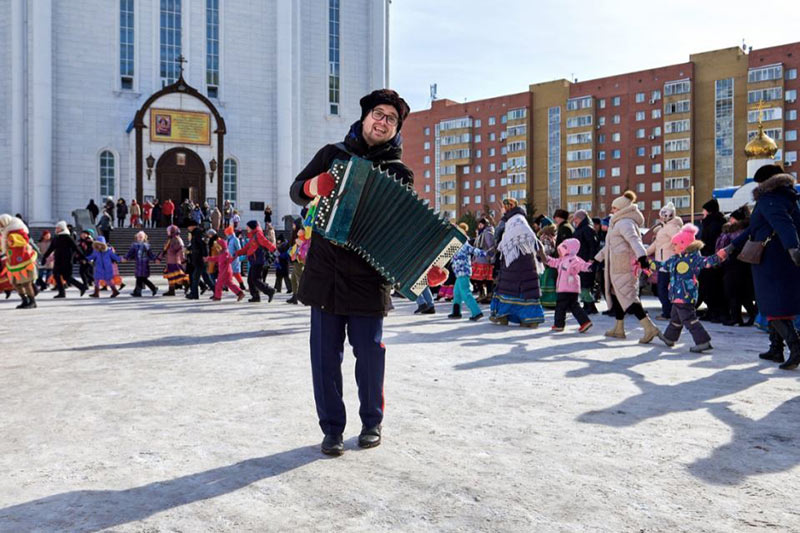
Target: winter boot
x: 24, y: 303
x: 700, y: 348
x: 32, y: 304
x: 775, y: 352
x: 617, y: 331
x: 114, y: 291
x: 456, y: 311
x: 590, y: 308
x: 650, y: 330
x: 499, y: 320
x: 787, y: 331
x: 96, y: 293
x: 170, y: 292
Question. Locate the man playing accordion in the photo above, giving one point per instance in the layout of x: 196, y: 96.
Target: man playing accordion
x: 347, y: 296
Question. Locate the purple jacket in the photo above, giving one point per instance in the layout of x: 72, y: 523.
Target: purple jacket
x: 142, y: 254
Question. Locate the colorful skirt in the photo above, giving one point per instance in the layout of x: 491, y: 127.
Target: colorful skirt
x: 547, y: 284
x: 517, y: 310
x: 446, y: 292
x: 175, y: 275
x: 482, y: 271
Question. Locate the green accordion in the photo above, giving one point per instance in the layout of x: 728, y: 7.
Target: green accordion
x: 386, y: 223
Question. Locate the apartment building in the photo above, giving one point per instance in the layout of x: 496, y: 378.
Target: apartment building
x: 660, y: 132
x: 468, y: 156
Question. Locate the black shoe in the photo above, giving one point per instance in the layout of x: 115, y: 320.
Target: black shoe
x: 419, y: 309
x: 24, y: 304
x: 292, y: 300
x: 83, y: 291
x: 254, y: 300
x: 60, y: 295
x: 456, y: 312
x: 429, y: 310
x: 270, y: 294
x: 332, y: 445
x: 477, y: 317
x: 192, y: 297
x: 136, y: 294
x: 369, y: 437
x: 154, y: 291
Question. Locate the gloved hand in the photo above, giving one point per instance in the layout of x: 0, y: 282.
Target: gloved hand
x: 644, y: 262
x: 794, y: 253
x: 320, y: 185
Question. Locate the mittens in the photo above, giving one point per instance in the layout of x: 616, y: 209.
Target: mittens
x: 320, y: 185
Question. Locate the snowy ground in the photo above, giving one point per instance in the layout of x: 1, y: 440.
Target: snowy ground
x: 163, y: 414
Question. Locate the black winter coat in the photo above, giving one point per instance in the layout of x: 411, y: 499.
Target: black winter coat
x: 710, y: 231
x: 63, y: 249
x: 335, y: 279
x: 519, y: 279
x: 564, y: 232
x: 199, y: 249
x: 776, y: 278
x: 590, y: 245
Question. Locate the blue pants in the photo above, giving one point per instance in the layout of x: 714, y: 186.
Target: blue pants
x: 663, y: 294
x: 425, y: 298
x: 462, y: 292
x: 327, y: 353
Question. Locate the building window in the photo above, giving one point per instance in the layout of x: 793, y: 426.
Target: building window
x: 602, y: 190
x: 492, y: 198
x: 772, y: 72
x: 616, y: 154
x: 655, y: 168
x: 477, y: 123
x: 772, y: 113
x: 492, y: 167
x: 791, y: 135
x: 427, y: 131
x: 615, y: 119
x: 615, y: 137
x: 427, y: 173
x: 478, y: 199
x: 615, y: 172
x: 655, y: 113
x: 212, y: 48
x: 491, y: 121
x: 478, y: 138
x: 477, y: 169
x: 465, y: 185
x: 640, y: 187
x: 655, y: 149
x: 170, y: 26
x: 465, y: 200
x: 492, y: 136
x: 426, y: 145
x: 640, y: 151
x: 639, y: 98
x: 478, y: 154
x: 615, y: 101
x: 681, y: 106
x: 654, y: 96
x: 427, y: 188
x: 791, y: 74
x: 791, y: 114
x: 615, y: 189
x: 466, y: 170
x: 601, y: 121
x: 107, y: 174
x: 791, y: 96
x: 655, y: 186
x: 639, y: 171
x: 579, y: 122
x: 601, y: 103
x: 126, y: 45
x: 333, y: 56
x: 765, y: 95
x: 677, y: 87
x: 601, y: 173
x: 427, y: 160
x: 655, y: 204
x: 601, y: 138
x: 230, y: 173
x: 640, y: 133
x: 492, y: 152
x: 640, y: 115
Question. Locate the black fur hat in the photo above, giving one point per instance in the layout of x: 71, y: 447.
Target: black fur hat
x: 766, y: 172
x: 388, y: 97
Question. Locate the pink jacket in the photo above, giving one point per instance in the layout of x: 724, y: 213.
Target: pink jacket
x: 223, y: 259
x: 568, y: 265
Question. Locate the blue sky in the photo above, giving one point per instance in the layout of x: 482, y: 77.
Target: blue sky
x: 478, y: 49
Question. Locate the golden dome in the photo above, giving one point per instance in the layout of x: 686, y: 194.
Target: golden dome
x: 761, y: 147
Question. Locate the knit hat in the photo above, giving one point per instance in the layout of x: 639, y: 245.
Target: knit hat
x: 596, y: 220
x: 463, y: 226
x: 742, y: 213
x: 228, y: 231
x: 712, y: 206
x: 668, y: 211
x: 388, y: 97
x: 211, y: 232
x: 581, y: 214
x: 253, y: 224
x: 173, y: 230
x: 61, y: 227
x: 685, y: 236
x: 627, y: 198
x: 561, y: 213
x: 766, y: 172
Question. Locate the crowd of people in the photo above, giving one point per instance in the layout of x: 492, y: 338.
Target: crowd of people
x: 207, y: 260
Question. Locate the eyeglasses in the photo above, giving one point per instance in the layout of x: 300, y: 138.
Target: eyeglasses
x: 379, y: 115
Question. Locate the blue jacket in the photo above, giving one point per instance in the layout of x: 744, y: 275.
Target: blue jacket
x: 776, y: 278
x: 103, y: 263
x: 683, y: 270
x: 462, y: 260
x: 234, y: 245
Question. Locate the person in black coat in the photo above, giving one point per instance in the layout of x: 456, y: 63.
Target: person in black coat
x: 122, y: 212
x: 590, y: 245
x: 197, y: 255
x: 63, y: 249
x: 561, y: 217
x: 93, y: 209
x: 775, y: 221
x: 711, y: 290
x: 345, y: 293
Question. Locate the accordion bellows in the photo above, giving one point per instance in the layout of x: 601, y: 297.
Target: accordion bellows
x: 386, y: 223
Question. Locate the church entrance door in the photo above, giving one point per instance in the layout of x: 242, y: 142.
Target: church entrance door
x: 180, y: 175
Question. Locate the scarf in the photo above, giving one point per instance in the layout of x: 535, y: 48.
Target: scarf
x: 518, y: 239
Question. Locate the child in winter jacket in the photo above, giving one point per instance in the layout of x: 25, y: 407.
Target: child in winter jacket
x: 141, y: 253
x: 462, y: 291
x: 224, y: 260
x: 103, y: 259
x: 234, y: 245
x: 282, y: 267
x: 568, y: 284
x: 683, y: 268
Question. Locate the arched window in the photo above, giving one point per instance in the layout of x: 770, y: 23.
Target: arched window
x: 107, y: 174
x: 230, y: 171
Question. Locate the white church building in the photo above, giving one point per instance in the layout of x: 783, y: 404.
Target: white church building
x: 212, y: 100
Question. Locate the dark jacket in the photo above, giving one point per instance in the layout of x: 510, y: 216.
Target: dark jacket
x: 198, y: 248
x: 122, y: 210
x: 336, y: 279
x: 710, y: 231
x: 590, y: 245
x: 564, y: 232
x: 142, y: 254
x: 776, y: 278
x: 519, y: 279
x: 63, y: 248
x: 93, y: 209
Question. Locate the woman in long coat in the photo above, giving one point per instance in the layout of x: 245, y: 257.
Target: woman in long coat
x: 623, y: 250
x: 776, y: 222
x: 482, y: 269
x: 516, y: 296
x: 661, y: 249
